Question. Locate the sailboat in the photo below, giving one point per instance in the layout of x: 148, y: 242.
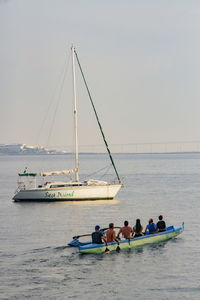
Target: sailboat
x: 28, y: 190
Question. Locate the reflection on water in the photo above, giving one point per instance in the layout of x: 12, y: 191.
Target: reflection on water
x: 95, y: 203
x: 71, y: 203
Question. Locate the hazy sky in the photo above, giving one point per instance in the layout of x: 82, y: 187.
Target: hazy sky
x: 141, y: 60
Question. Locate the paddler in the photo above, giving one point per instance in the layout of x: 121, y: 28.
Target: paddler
x: 111, y: 235
x: 125, y: 231
x: 161, y: 225
x: 98, y: 236
x: 151, y: 227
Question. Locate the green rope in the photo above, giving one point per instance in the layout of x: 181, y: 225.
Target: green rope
x: 97, y: 118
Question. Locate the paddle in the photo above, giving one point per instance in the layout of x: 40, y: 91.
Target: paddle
x: 78, y: 236
x: 89, y: 234
x: 107, y: 250
x: 117, y: 249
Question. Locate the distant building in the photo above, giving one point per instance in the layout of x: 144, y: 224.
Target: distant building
x: 23, y: 149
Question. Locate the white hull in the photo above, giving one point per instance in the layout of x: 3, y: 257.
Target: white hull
x: 92, y: 192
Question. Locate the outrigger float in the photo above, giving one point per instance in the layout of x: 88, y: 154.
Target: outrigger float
x: 90, y: 248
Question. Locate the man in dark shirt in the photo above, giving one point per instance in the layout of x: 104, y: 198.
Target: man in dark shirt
x: 97, y: 236
x: 161, y: 226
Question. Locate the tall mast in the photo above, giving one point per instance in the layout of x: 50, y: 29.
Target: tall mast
x: 112, y: 161
x: 75, y: 115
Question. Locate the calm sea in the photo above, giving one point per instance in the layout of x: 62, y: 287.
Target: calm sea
x: 36, y: 263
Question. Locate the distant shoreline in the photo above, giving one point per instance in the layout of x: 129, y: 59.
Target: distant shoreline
x: 97, y: 153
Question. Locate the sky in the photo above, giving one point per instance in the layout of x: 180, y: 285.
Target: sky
x: 140, y: 58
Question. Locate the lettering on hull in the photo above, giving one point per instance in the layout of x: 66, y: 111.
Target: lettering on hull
x: 58, y: 195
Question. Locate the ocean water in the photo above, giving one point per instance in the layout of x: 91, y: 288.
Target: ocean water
x: 36, y: 262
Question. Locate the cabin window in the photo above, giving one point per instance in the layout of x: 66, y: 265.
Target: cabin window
x: 57, y: 185
x: 64, y: 185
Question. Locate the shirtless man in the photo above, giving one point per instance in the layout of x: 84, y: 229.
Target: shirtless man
x: 111, y: 235
x: 125, y: 231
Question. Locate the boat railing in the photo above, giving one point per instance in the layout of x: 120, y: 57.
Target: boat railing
x: 21, y: 185
x: 26, y: 181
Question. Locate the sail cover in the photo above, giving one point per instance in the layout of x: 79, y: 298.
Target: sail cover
x: 58, y: 172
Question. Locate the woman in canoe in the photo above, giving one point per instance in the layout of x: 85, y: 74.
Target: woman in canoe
x: 137, y: 229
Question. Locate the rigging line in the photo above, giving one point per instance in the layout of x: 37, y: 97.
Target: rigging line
x: 106, y: 172
x: 108, y: 150
x: 59, y: 98
x: 94, y: 173
x: 52, y: 99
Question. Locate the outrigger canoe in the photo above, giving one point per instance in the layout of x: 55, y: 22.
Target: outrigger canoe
x: 170, y: 233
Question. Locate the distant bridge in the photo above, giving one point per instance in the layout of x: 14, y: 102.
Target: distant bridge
x: 145, y: 147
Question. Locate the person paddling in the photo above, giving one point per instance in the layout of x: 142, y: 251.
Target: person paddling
x: 111, y: 237
x: 125, y: 231
x: 151, y: 227
x: 161, y: 226
x: 98, y: 236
